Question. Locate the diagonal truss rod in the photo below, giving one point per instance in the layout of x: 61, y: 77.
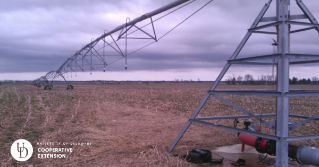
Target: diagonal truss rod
x: 98, y: 55
x: 282, y: 21
x: 128, y: 25
x: 153, y: 29
x: 118, y: 51
x: 240, y: 109
x: 307, y: 12
x: 78, y: 65
x: 140, y: 29
x: 126, y: 30
x: 73, y: 60
x: 242, y: 43
x: 70, y: 60
x: 305, y: 121
x: 151, y: 37
x: 221, y: 75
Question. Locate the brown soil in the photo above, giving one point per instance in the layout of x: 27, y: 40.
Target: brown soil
x: 127, y: 124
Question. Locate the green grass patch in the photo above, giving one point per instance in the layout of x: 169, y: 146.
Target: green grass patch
x: 3, y: 98
x: 12, y: 98
x: 45, y: 102
x: 100, y: 127
x: 19, y: 122
x: 32, y: 134
x: 6, y: 112
x: 32, y: 100
x: 66, y: 97
x: 22, y: 101
x: 60, y: 118
x: 9, y: 137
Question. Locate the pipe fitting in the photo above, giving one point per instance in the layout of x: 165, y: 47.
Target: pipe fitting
x: 307, y: 155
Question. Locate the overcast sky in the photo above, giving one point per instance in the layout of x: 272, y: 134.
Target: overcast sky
x: 38, y: 36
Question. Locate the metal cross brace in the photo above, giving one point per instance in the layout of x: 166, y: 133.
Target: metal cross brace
x: 119, y: 49
x: 307, y: 12
x: 220, y: 76
x: 240, y: 109
x: 304, y: 121
x: 282, y: 21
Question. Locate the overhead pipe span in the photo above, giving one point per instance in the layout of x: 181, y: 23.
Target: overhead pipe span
x: 89, y: 51
x: 130, y: 23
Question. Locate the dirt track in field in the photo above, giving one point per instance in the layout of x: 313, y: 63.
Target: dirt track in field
x: 127, y: 125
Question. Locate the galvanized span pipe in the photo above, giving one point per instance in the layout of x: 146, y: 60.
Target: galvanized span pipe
x: 130, y: 23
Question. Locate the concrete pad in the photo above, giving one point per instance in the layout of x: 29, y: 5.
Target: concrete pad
x: 233, y: 153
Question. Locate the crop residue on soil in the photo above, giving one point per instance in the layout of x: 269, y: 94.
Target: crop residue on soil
x: 127, y: 124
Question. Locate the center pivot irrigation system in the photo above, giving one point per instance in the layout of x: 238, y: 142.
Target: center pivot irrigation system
x: 112, y: 45
x: 281, y: 23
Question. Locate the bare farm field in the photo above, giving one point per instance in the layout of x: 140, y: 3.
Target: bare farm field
x: 128, y: 124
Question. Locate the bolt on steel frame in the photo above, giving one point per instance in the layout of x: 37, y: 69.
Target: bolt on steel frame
x: 282, y: 21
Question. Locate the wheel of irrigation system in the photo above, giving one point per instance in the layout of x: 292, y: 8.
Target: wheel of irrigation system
x: 69, y: 87
x: 48, y: 87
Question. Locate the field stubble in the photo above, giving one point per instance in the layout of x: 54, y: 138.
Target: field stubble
x: 127, y: 124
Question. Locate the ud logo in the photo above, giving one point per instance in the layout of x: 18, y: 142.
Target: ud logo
x: 21, y: 150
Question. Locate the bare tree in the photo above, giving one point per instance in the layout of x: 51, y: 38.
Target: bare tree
x: 239, y: 78
x: 229, y: 80
x: 263, y: 78
x: 249, y: 77
x: 315, y: 80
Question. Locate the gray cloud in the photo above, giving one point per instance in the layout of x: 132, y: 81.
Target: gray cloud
x: 38, y: 36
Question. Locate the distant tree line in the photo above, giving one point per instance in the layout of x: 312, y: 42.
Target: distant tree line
x: 268, y: 80
x: 303, y: 81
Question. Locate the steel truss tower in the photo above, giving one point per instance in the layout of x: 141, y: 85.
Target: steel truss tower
x: 283, y: 21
